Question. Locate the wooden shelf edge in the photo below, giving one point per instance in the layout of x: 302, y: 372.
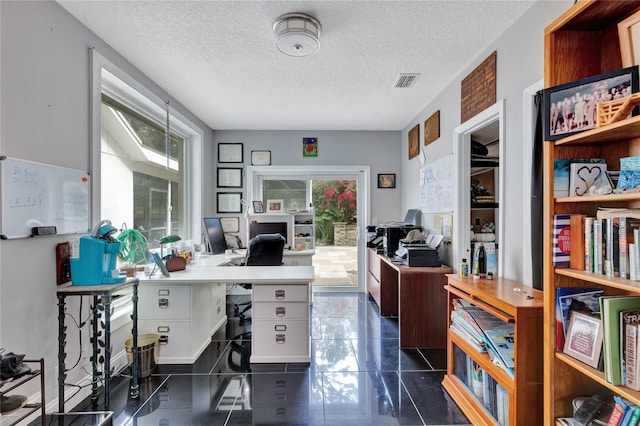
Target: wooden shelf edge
x: 606, y: 198
x: 601, y: 279
x: 613, y: 132
x: 598, y: 377
x: 469, y: 405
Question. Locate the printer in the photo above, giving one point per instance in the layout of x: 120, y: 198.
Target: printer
x: 418, y: 250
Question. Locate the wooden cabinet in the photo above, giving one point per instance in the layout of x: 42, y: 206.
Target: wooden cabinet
x: 510, y: 302
x: 581, y: 43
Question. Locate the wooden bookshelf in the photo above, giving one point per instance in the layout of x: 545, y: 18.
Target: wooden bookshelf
x: 510, y: 302
x: 581, y: 43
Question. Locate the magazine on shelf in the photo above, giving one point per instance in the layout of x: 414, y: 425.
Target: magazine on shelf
x: 502, y: 341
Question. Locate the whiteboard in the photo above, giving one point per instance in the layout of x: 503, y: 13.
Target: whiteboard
x: 38, y: 194
x: 436, y: 186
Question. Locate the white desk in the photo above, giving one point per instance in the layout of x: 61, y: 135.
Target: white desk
x: 187, y: 307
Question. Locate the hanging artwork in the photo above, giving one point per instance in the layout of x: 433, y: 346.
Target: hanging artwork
x: 309, y: 147
x: 414, y: 141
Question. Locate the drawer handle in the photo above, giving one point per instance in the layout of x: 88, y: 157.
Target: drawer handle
x: 281, y: 412
x: 280, y: 294
x: 164, y: 292
x: 164, y: 340
x: 163, y: 329
x: 163, y: 303
x: 280, y: 339
x: 281, y: 311
x: 280, y: 327
x: 281, y: 384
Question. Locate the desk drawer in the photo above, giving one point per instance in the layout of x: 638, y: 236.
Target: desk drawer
x: 286, y: 338
x: 175, y: 337
x: 164, y: 302
x: 279, y: 310
x: 280, y: 293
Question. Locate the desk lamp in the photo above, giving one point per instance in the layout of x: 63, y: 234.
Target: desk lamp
x: 167, y: 239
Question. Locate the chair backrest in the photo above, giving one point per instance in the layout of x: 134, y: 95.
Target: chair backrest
x: 265, y: 250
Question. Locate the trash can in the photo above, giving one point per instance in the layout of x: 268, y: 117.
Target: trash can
x: 148, y: 345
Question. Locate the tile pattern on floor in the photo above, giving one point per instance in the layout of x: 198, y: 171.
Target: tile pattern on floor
x: 357, y: 375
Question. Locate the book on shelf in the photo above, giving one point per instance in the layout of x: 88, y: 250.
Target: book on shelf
x: 588, y: 244
x: 629, y: 321
x: 610, y: 308
x: 626, y: 237
x: 585, y: 299
x: 561, y: 239
x: 492, y: 263
x: 597, y: 246
x: 577, y: 241
x: 622, y: 412
x: 584, y: 338
x: 612, y: 246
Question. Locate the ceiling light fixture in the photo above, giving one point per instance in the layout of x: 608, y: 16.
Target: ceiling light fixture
x: 297, y: 34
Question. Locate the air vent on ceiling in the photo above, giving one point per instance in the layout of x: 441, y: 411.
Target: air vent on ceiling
x: 406, y: 79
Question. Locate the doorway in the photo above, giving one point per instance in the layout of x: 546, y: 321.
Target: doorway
x: 338, y: 268
x: 484, y: 132
x: 336, y: 238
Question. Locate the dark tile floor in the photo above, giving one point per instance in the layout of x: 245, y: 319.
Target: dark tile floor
x: 357, y: 375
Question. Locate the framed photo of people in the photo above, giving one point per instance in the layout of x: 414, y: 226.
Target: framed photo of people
x: 572, y: 107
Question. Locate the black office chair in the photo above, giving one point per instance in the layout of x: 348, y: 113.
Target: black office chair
x: 262, y: 250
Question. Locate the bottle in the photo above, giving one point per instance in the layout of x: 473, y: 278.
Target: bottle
x: 482, y: 260
x: 464, y: 268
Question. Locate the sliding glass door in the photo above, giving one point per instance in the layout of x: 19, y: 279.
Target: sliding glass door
x: 339, y: 196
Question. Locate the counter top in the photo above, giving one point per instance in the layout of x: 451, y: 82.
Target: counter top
x: 210, y: 269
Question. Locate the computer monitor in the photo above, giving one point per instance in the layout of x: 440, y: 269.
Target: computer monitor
x: 215, y: 235
x: 257, y: 228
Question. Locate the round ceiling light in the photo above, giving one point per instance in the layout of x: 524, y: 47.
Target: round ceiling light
x: 297, y: 34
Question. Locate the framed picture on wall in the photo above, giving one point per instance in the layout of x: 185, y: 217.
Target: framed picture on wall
x: 260, y: 158
x: 414, y: 141
x: 229, y: 202
x: 230, y: 224
x: 229, y: 177
x: 230, y: 153
x: 386, y: 180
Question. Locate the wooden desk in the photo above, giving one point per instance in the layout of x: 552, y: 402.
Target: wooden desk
x: 414, y: 294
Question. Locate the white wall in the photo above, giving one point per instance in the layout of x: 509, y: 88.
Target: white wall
x: 380, y: 150
x: 519, y: 65
x: 45, y: 105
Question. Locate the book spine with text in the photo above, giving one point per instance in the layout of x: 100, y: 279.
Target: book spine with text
x: 588, y: 244
x: 597, y: 246
x: 561, y: 239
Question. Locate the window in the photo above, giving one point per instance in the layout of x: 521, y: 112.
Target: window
x: 133, y: 147
x: 293, y: 192
x: 139, y: 180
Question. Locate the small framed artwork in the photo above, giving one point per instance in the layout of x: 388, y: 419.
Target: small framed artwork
x: 229, y: 177
x: 260, y: 158
x: 230, y: 153
x: 229, y: 202
x: 414, y: 141
x: 584, y: 338
x: 567, y: 106
x: 432, y: 128
x: 275, y: 206
x: 629, y: 37
x: 258, y: 207
x: 309, y: 147
x: 386, y: 180
x: 230, y: 224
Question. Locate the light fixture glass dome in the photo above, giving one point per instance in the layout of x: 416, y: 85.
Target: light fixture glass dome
x: 297, y: 34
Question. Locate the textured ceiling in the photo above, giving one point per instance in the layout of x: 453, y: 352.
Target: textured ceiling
x: 218, y: 58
